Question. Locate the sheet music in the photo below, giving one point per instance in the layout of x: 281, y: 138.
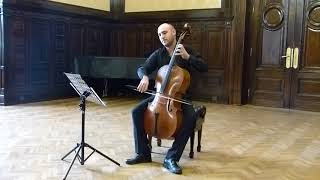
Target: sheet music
x: 81, y: 86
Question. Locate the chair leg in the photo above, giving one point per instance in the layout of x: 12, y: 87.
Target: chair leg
x: 159, y: 142
x: 149, y: 142
x: 191, y: 145
x: 199, y: 139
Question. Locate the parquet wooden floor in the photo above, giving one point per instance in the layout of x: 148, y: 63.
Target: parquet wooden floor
x: 239, y: 143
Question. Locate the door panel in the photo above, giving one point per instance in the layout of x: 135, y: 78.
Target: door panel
x: 312, y: 53
x: 270, y: 80
x: 305, y: 93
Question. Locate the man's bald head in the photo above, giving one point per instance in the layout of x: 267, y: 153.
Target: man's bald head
x: 166, y: 26
x: 167, y: 34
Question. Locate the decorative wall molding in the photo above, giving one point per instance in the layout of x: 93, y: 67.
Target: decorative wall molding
x: 313, y: 12
x: 273, y: 16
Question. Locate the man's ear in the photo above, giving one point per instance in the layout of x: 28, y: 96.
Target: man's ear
x: 174, y: 32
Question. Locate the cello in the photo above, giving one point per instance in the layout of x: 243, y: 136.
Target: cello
x: 163, y: 116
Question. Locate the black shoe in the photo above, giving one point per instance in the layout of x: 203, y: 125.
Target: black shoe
x: 172, y: 166
x: 140, y: 158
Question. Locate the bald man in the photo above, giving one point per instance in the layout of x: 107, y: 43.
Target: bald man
x: 185, y: 58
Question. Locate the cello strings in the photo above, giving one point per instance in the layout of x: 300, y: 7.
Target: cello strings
x: 157, y: 93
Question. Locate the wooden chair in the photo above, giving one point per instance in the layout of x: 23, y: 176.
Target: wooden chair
x: 200, y: 113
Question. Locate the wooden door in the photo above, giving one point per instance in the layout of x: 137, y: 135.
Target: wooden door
x: 268, y: 35
x: 283, y: 54
x: 305, y: 78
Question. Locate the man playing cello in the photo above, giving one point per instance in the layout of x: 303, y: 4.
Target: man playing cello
x: 187, y: 59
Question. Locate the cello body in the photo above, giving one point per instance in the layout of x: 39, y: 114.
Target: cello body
x: 163, y: 116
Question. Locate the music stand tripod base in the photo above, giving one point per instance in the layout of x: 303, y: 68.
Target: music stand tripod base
x: 84, y: 91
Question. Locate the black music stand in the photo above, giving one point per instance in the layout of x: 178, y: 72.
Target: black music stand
x: 85, y: 92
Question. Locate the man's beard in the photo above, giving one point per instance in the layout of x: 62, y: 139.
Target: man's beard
x: 168, y: 44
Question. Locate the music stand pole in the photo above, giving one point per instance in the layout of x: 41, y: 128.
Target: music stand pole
x: 80, y: 146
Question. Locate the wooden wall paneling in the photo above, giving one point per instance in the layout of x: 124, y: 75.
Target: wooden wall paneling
x: 148, y: 40
x: 121, y: 40
x: 117, y: 9
x: 115, y: 41
x: 76, y: 40
x: 16, y: 58
x: 219, y: 51
x: 211, y: 42
x: 126, y: 40
x: 106, y: 41
x: 2, y: 65
x: 93, y: 41
x: 217, y: 45
x: 130, y: 43
x: 60, y: 57
x: 252, y: 21
x: 235, y: 67
x: 40, y: 59
x: 96, y: 38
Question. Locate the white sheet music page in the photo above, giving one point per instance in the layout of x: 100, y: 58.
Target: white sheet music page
x: 81, y: 86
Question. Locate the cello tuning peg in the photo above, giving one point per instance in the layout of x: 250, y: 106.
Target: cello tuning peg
x: 187, y: 28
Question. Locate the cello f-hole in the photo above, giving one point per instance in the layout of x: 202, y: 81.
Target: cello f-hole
x: 169, y: 106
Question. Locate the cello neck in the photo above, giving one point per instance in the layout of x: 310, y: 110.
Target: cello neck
x: 173, y: 57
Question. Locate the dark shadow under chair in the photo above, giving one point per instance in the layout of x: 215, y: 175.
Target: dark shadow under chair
x: 200, y: 113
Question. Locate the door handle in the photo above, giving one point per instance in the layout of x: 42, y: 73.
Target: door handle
x: 288, y: 56
x: 295, y: 58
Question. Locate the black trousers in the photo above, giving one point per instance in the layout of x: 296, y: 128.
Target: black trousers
x: 181, y: 139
